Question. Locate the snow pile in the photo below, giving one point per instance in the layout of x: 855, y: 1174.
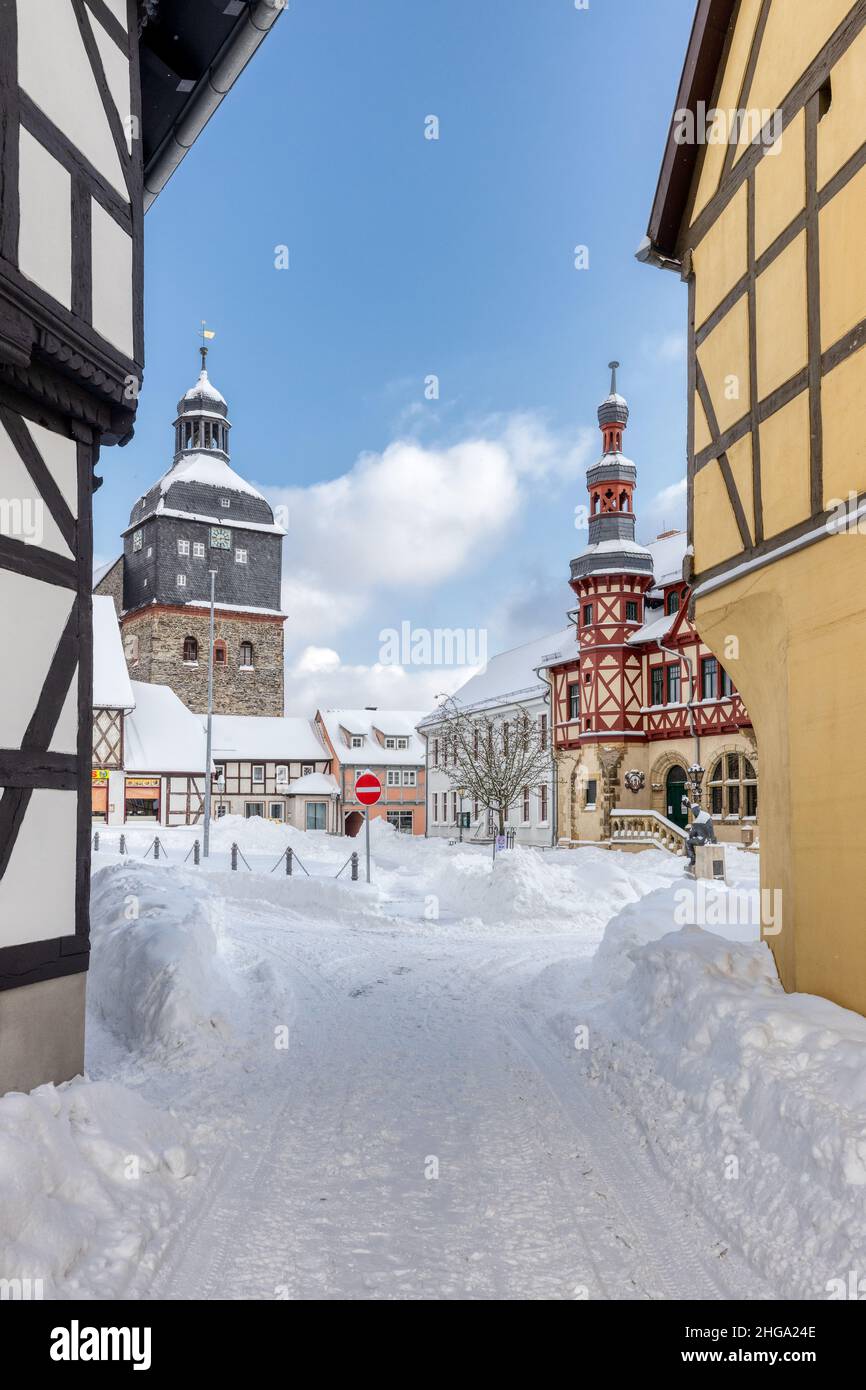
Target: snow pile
x: 89, y: 1174
x: 159, y: 977
x: 754, y: 1098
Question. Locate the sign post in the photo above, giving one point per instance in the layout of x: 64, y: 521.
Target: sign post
x: 368, y: 790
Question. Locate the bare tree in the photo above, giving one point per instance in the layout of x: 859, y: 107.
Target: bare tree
x: 492, y: 760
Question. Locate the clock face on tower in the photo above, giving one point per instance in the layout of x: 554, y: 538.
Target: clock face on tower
x: 220, y: 538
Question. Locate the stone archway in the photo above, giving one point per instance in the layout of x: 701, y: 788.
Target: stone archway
x: 659, y: 777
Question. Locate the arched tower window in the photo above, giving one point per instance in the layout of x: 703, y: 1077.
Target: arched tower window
x: 190, y: 649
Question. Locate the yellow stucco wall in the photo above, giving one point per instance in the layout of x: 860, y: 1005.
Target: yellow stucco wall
x: 801, y: 625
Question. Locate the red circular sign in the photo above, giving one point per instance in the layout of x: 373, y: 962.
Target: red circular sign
x: 368, y: 789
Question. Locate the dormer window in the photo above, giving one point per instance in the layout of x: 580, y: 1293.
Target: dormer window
x: 393, y: 742
x: 357, y: 741
x: 225, y: 501
x: 673, y: 602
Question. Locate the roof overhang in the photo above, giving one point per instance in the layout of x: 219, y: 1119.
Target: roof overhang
x: 709, y: 37
x: 191, y: 54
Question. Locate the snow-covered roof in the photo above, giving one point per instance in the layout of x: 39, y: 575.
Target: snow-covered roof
x: 511, y: 676
x: 373, y: 725
x: 112, y: 688
x: 657, y: 627
x: 270, y: 527
x: 668, y: 552
x: 266, y: 738
x: 100, y: 571
x: 204, y: 467
x: 161, y: 734
x: 314, y: 784
x: 204, y: 387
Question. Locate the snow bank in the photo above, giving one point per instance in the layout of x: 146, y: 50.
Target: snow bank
x: 755, y: 1099
x: 89, y: 1174
x: 159, y: 978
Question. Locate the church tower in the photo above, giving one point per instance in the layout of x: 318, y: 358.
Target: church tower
x: 610, y: 578
x: 201, y: 516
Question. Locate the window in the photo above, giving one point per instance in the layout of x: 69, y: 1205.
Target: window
x: 506, y: 737
x: 574, y: 701
x: 709, y: 678
x: 657, y: 677
x: 733, y: 787
x: 673, y: 684
x: 435, y: 807
x: 254, y: 808
x: 631, y: 611
x: 401, y: 821
x: 282, y: 774
x: 393, y: 777
x: 587, y: 614
x: 542, y: 803
x: 190, y: 649
x: 198, y: 550
x: 525, y: 806
x: 307, y: 769
x: 258, y: 774
x: 410, y: 777
x: 277, y: 810
x: 246, y: 653
x: 225, y: 501
x: 435, y: 752
x: 316, y: 815
x: 542, y: 732
x: 727, y: 686
x: 219, y: 652
x: 181, y: 581
x: 392, y: 742
x: 672, y: 602
x: 454, y: 808
x: 476, y: 741
x: 150, y: 552
x: 136, y: 540
x: 357, y: 741
x: 241, y: 557
x: 183, y: 547
x: 220, y: 538
x: 591, y: 793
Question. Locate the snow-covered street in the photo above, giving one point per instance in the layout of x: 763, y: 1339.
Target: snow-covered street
x: 339, y: 1091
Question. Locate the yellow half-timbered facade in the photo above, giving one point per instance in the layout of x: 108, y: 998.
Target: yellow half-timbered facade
x: 761, y: 208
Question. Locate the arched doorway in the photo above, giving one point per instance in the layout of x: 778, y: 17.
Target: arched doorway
x: 675, y: 790
x: 354, y: 821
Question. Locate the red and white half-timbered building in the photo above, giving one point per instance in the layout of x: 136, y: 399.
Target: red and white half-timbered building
x: 642, y: 711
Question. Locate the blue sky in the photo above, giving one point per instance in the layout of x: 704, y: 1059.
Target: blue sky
x: 411, y: 257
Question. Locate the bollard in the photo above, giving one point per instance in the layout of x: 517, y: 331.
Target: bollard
x: 288, y: 863
x: 196, y: 848
x: 156, y: 848
x: 122, y: 843
x: 234, y: 856
x: 96, y: 842
x: 355, y: 866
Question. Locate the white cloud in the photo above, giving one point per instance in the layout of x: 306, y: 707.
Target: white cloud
x: 318, y: 679
x: 666, y: 510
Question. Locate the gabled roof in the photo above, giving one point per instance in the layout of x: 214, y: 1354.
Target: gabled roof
x: 400, y: 723
x: 161, y: 734
x: 112, y: 688
x: 698, y: 82
x: 511, y: 677
x: 266, y: 738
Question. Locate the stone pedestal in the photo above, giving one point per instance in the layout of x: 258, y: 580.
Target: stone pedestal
x: 710, y: 863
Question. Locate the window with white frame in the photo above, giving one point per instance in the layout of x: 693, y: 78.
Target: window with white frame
x: 137, y: 540
x: 183, y: 547
x: 392, y: 741
x: 435, y: 806
x: 258, y: 774
x: 181, y: 581
x: 225, y: 501
x: 357, y: 741
x: 241, y: 556
x: 410, y: 777
x: 542, y: 803
x: 393, y: 779
x: 435, y: 752
x: 525, y: 806
x: 282, y: 774
x: 454, y: 808
x: 198, y: 550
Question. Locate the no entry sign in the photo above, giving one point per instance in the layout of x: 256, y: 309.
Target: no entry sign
x: 368, y: 789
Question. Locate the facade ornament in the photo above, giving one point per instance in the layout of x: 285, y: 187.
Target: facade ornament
x: 635, y: 780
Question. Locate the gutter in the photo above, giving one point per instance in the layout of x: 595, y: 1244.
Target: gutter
x: 258, y: 21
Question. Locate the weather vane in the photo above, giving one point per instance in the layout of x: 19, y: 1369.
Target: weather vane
x: 206, y: 335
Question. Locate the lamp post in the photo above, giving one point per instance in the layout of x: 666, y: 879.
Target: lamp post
x: 207, y: 775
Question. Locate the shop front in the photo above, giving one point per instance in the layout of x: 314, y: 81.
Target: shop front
x: 142, y: 798
x: 99, y: 794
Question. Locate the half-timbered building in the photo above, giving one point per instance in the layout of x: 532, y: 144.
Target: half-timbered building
x: 644, y: 716
x: 99, y: 101
x: 760, y: 209
x: 386, y: 743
